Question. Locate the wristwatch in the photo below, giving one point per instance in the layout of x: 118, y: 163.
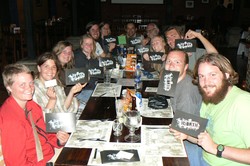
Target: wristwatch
x: 220, y: 149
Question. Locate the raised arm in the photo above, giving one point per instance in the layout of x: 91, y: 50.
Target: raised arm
x: 75, y: 89
x: 208, y: 46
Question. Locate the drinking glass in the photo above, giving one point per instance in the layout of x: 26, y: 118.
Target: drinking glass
x: 117, y: 127
x: 132, y: 120
x: 107, y: 78
x: 118, y: 108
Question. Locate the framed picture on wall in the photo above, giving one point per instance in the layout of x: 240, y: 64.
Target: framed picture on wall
x: 204, y: 1
x: 38, y: 3
x: 189, y: 4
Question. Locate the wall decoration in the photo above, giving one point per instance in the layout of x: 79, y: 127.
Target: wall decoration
x: 189, y: 4
x: 138, y: 1
x: 204, y: 1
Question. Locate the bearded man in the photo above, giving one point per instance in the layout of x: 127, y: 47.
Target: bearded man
x: 226, y: 140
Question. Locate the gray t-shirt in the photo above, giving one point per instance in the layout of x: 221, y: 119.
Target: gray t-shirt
x: 187, y: 97
x: 195, y: 56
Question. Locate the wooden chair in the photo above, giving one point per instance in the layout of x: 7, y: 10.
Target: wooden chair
x: 13, y: 45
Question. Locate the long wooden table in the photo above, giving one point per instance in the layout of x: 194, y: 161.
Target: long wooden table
x: 104, y: 108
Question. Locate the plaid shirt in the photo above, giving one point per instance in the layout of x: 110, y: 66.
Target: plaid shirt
x: 42, y: 99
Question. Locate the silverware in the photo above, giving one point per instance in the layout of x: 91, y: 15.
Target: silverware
x: 90, y: 139
x: 167, y: 127
x: 95, y: 153
x: 102, y: 94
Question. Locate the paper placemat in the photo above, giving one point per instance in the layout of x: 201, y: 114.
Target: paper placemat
x: 156, y: 113
x: 107, y: 90
x: 159, y: 141
x: 151, y: 89
x: 144, y: 158
x: 90, y: 133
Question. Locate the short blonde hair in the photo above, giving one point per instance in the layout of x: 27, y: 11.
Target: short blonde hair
x: 11, y: 70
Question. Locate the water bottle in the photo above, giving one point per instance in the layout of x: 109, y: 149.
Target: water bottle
x: 121, y: 50
x: 124, y: 52
x: 138, y: 101
x: 138, y: 83
x: 122, y: 56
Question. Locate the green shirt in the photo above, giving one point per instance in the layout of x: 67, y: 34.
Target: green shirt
x: 229, y: 124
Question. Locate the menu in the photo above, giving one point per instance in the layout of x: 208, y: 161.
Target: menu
x: 60, y: 122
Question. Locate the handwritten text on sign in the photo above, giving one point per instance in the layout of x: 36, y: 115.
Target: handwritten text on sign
x: 168, y: 81
x: 143, y: 50
x: 95, y: 71
x: 186, y: 45
x: 187, y: 124
x: 135, y: 41
x: 76, y: 76
x: 107, y: 63
x: 156, y: 57
x: 110, y: 40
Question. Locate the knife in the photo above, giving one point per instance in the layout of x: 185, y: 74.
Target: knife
x: 90, y: 139
x: 167, y: 127
x: 95, y: 153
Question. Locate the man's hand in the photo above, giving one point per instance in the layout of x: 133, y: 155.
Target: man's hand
x: 178, y: 135
x: 206, y: 142
x: 192, y: 34
x: 62, y: 137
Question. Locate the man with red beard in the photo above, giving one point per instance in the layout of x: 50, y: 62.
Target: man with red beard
x: 226, y: 140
